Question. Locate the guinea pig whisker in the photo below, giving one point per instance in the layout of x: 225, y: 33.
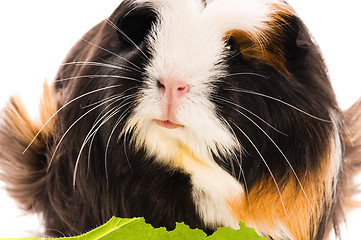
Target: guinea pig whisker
x: 101, y: 101
x: 234, y: 55
x: 60, y: 233
x: 125, y: 134
x: 125, y: 67
x: 64, y: 106
x: 99, y: 122
x: 95, y: 76
x: 67, y: 131
x: 249, y: 111
x: 110, y: 52
x: 87, y: 138
x: 267, y: 166
x: 239, y: 148
x: 110, y: 114
x: 111, y: 97
x: 280, y: 101
x: 92, y: 132
x: 283, y: 155
x: 246, y: 189
x: 120, y: 119
x: 239, y: 163
x: 126, y: 37
x: 89, y: 153
x: 248, y: 74
x: 102, y: 65
x: 273, y: 142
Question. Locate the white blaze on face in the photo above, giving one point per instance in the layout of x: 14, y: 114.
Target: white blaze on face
x: 187, y: 47
x: 175, y: 120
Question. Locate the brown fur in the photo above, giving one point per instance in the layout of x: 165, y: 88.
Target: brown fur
x: 347, y: 187
x: 18, y: 130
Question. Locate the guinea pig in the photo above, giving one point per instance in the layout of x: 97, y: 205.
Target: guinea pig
x: 208, y: 112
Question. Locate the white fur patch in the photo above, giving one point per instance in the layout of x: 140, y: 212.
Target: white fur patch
x: 187, y: 44
x: 213, y: 190
x: 336, y: 153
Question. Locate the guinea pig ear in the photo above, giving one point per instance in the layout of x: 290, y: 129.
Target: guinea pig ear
x: 297, y: 43
x: 134, y: 25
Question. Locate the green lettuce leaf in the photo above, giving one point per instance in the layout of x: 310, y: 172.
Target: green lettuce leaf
x: 138, y: 229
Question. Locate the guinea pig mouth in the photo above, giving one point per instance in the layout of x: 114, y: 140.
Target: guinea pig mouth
x: 167, y: 124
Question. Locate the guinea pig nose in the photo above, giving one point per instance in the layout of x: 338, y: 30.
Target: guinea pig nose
x: 180, y: 89
x: 176, y: 89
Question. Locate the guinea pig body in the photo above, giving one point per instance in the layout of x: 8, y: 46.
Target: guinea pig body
x: 203, y: 112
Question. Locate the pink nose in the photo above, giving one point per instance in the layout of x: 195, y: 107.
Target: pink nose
x: 173, y: 89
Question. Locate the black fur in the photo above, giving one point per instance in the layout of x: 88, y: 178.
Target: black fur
x: 307, y: 88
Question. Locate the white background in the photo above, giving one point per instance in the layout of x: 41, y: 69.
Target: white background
x: 36, y: 35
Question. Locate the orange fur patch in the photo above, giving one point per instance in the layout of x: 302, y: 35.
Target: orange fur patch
x: 294, y: 209
x: 265, y: 45
x: 185, y: 156
x: 17, y: 118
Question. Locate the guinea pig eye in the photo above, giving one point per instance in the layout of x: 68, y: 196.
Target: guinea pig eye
x: 232, y: 47
x: 134, y: 26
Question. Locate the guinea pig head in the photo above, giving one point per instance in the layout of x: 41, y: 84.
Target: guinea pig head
x: 236, y: 94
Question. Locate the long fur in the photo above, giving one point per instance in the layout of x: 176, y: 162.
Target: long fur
x: 259, y: 138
